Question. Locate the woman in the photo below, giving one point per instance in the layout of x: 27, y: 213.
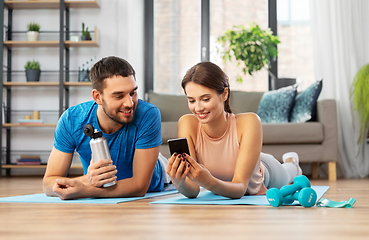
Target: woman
x: 225, y: 148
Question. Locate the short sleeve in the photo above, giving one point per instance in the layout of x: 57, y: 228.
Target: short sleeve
x: 63, y: 141
x: 149, y: 134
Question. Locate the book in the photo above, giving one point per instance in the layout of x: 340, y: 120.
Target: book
x: 28, y: 163
x: 29, y: 160
x: 30, y: 121
x: 30, y: 156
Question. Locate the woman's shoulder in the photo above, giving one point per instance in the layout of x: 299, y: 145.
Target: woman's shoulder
x: 247, y: 116
x: 187, y: 124
x: 188, y: 119
x: 247, y: 119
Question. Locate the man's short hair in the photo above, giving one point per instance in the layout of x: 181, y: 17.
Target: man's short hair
x: 108, y: 67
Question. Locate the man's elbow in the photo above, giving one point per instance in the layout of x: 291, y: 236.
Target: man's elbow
x: 141, y: 189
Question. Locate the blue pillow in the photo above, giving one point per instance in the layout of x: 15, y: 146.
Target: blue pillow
x: 305, y: 103
x: 275, y: 106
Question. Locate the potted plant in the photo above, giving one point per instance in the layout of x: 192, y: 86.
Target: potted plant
x: 33, y: 31
x: 85, y: 33
x: 360, y: 97
x: 33, y: 71
x: 252, y: 46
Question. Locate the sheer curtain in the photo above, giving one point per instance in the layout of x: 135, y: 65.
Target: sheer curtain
x: 340, y: 41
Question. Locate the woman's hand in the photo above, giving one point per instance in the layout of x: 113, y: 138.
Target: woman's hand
x: 177, y: 169
x: 198, y: 173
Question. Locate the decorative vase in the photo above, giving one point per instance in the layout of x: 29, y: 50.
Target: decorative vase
x: 33, y: 75
x: 32, y: 36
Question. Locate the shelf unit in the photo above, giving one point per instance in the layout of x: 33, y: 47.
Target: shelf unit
x: 63, y: 84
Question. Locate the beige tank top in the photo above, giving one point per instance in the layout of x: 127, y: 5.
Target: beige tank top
x: 219, y: 156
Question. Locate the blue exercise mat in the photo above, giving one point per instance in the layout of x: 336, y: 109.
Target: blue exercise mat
x: 207, y: 198
x: 42, y: 198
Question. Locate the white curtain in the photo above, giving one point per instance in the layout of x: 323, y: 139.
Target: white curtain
x: 340, y: 31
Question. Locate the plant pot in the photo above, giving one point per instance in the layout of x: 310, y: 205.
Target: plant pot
x: 32, y: 36
x: 85, y: 38
x: 33, y: 75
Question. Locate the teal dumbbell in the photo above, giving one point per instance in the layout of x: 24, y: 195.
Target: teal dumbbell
x: 276, y: 196
x: 306, y: 197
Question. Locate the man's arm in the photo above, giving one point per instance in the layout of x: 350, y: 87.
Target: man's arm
x: 144, y: 162
x: 57, y: 167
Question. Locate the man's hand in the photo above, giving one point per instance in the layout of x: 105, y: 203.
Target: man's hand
x: 67, y: 189
x: 99, y: 173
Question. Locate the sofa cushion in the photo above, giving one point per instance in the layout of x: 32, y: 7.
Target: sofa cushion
x: 171, y: 107
x: 275, y: 106
x: 242, y: 102
x: 293, y: 133
x: 305, y: 103
x: 168, y: 130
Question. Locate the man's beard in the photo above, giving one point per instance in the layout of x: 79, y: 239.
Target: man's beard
x: 116, y: 119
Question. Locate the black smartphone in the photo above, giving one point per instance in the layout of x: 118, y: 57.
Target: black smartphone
x: 178, y: 145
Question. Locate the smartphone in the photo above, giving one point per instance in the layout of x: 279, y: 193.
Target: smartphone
x: 178, y: 145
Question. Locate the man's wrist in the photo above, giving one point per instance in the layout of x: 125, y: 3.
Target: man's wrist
x: 81, y: 179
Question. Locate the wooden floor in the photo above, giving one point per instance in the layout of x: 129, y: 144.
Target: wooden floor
x: 141, y: 220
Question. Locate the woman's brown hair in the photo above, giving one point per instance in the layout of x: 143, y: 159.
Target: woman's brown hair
x: 211, y: 76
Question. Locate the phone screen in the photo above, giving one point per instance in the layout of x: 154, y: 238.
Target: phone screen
x: 178, y: 145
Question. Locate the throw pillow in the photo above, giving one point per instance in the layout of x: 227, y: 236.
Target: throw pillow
x: 275, y: 106
x: 305, y: 103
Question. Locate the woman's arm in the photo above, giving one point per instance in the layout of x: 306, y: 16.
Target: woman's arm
x: 249, y: 131
x: 178, y: 167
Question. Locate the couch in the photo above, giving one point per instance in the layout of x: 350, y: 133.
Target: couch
x: 314, y: 141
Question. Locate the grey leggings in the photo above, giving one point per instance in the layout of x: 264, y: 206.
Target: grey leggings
x: 277, y: 174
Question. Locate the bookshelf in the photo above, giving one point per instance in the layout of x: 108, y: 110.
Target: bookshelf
x: 62, y: 84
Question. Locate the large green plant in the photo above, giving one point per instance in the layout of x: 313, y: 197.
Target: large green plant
x: 252, y: 46
x: 360, y: 94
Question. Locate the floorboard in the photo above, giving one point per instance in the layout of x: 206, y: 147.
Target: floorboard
x: 141, y: 220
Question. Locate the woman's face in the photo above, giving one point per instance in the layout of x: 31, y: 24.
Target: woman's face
x: 205, y: 103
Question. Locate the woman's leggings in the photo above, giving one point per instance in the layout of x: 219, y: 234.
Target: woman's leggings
x: 277, y: 174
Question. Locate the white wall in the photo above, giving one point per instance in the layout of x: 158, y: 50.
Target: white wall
x: 121, y: 28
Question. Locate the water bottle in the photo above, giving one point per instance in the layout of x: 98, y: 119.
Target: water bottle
x: 99, y: 146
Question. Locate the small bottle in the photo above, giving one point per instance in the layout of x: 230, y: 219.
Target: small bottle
x: 99, y: 146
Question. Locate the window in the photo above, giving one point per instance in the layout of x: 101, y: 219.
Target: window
x: 223, y: 16
x: 176, y: 42
x: 295, y: 54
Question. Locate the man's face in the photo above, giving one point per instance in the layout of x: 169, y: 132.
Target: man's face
x: 119, y: 98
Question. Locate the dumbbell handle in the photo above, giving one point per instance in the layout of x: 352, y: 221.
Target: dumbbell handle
x: 306, y: 197
x: 296, y: 186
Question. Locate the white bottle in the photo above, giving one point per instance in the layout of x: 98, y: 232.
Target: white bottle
x: 99, y: 147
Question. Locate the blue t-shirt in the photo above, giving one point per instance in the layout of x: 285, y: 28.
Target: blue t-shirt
x: 142, y: 133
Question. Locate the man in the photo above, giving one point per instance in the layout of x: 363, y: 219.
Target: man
x: 132, y: 128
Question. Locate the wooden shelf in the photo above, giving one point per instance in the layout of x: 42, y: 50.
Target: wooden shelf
x: 47, y: 4
x: 32, y: 4
x: 47, y: 44
x: 5, y: 125
x: 46, y: 84
x: 77, y: 84
x: 9, y: 166
x: 30, y: 84
x: 83, y: 4
x: 13, y: 44
x: 90, y: 43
